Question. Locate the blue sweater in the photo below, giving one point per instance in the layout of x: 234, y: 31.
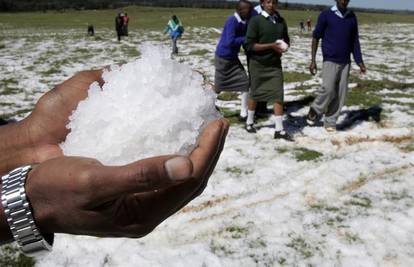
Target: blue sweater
x: 232, y: 38
x: 339, y: 36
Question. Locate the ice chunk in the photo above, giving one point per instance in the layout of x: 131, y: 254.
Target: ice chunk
x: 152, y: 106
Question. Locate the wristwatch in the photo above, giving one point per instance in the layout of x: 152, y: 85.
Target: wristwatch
x: 19, y: 216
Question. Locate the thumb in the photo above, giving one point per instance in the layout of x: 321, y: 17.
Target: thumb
x: 144, y: 175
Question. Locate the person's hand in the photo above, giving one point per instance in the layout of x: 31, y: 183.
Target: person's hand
x: 46, y: 125
x: 81, y: 196
x: 277, y: 48
x: 313, y: 68
x: 362, y: 68
x: 37, y: 137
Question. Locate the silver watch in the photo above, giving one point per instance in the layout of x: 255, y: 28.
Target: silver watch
x: 19, y: 214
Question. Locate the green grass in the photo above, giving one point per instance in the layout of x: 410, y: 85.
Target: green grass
x: 228, y: 96
x: 366, y: 92
x: 292, y: 76
x: 154, y: 18
x: 304, y: 154
x: 199, y: 52
x: 10, y: 256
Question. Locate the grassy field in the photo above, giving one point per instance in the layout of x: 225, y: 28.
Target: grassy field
x: 156, y: 18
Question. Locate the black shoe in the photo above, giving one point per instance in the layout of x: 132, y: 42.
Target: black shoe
x: 283, y: 135
x: 312, y: 117
x: 250, y: 128
x: 242, y: 119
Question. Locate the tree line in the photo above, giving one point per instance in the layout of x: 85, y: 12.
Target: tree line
x: 33, y: 5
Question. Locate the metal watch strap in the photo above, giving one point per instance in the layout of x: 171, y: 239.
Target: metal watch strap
x: 19, y: 215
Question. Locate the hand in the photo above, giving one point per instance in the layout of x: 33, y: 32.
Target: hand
x: 313, y: 68
x: 362, y: 68
x: 37, y: 137
x: 81, y: 196
x: 276, y: 47
x: 47, y: 123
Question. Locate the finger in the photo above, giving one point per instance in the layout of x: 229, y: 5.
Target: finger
x: 204, y: 158
x: 204, y: 154
x: 143, y: 176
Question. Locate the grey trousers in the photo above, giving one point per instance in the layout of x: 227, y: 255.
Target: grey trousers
x: 331, y: 97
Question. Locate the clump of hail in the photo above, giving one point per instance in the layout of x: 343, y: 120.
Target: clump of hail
x: 152, y: 106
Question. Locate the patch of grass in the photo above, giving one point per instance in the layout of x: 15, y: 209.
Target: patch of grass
x: 220, y: 250
x: 293, y: 76
x: 352, y: 238
x: 51, y: 71
x: 10, y: 256
x: 360, y: 201
x: 234, y: 170
x: 228, y: 96
x: 231, y: 115
x: 407, y: 147
x: 2, y: 46
x: 199, y: 52
x: 366, y: 91
x: 304, y: 154
x: 237, y: 231
x: 9, y: 91
x: 299, y: 244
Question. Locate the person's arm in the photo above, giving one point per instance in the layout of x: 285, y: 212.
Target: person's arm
x: 286, y: 37
x: 313, y: 67
x: 14, y: 146
x: 357, y: 50
x: 318, y: 33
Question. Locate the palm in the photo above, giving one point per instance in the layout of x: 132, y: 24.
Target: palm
x: 47, y: 123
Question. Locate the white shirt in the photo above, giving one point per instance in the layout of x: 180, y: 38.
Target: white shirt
x: 338, y: 13
x: 239, y: 19
x: 272, y: 18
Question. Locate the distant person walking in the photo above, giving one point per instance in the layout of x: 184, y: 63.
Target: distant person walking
x: 267, y: 38
x: 91, y: 30
x: 119, y: 22
x: 175, y: 29
x: 301, y: 26
x: 338, y: 29
x: 309, y: 24
x: 230, y: 74
x: 125, y: 20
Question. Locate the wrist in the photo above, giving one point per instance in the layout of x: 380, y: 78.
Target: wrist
x: 5, y: 233
x: 14, y: 146
x: 19, y: 214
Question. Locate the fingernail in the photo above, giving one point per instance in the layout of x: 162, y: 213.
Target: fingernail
x: 178, y: 168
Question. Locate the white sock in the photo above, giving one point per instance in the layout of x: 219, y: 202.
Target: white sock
x: 278, y: 123
x: 243, y: 104
x: 250, y: 117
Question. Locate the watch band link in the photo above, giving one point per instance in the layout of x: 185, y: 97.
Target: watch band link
x: 19, y: 215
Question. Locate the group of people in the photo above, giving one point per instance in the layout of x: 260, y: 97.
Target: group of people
x: 308, y: 25
x: 263, y: 33
x: 174, y: 28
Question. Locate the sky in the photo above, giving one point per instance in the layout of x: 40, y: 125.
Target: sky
x: 380, y: 4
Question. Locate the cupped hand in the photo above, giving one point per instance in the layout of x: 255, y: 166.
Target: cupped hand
x: 46, y: 125
x: 81, y: 196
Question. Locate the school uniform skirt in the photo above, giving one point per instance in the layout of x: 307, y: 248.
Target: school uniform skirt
x: 266, y: 82
x: 230, y: 75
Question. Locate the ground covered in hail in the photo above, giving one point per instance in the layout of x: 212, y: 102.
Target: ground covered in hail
x: 342, y: 199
